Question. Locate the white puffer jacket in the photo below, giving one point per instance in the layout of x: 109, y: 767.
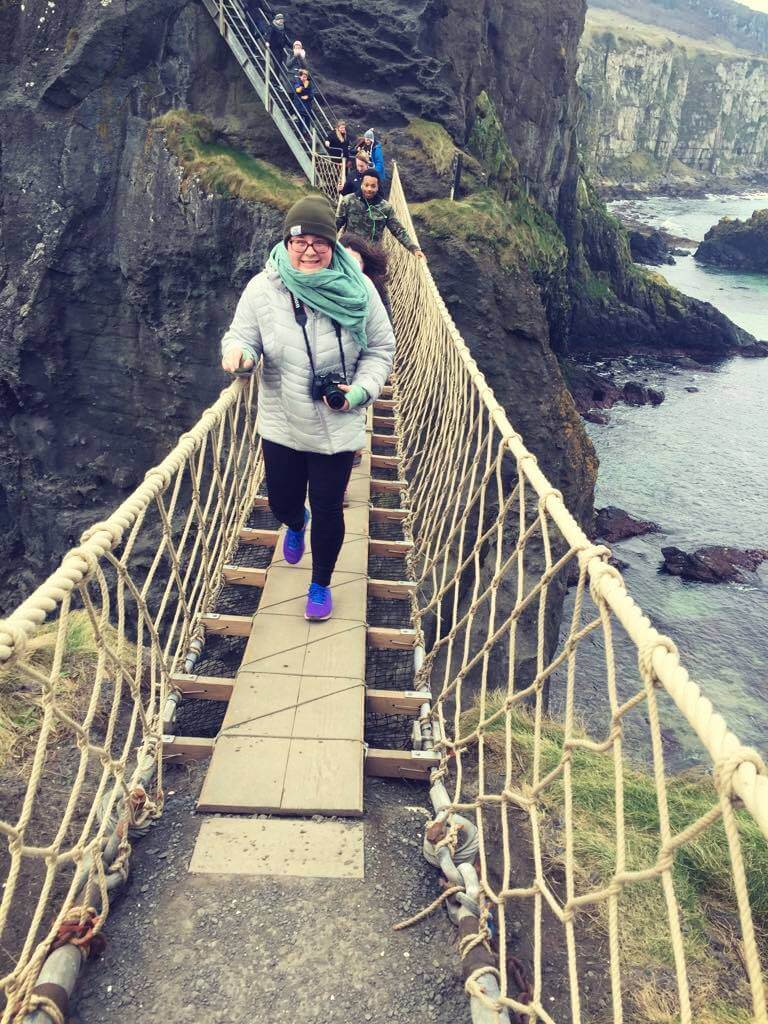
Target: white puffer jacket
x: 265, y: 323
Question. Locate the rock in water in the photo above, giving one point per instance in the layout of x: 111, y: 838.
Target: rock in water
x: 638, y: 394
x: 737, y: 244
x: 713, y: 564
x: 614, y: 524
x: 649, y: 247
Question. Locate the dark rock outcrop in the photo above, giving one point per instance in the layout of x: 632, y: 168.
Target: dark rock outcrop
x: 620, y: 308
x: 714, y: 564
x: 638, y: 394
x: 737, y: 244
x: 649, y: 247
x: 613, y: 524
x: 116, y: 281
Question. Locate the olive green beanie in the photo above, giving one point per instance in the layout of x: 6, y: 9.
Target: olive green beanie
x: 311, y: 215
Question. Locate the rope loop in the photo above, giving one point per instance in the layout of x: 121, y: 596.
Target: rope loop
x: 726, y: 767
x: 647, y: 650
x: 45, y: 1004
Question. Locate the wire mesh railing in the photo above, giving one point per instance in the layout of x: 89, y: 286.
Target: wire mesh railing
x: 587, y: 881
x: 85, y: 664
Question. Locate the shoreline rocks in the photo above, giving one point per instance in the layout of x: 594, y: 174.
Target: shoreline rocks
x: 594, y: 390
x: 713, y: 564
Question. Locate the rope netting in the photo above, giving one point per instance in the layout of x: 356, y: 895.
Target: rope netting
x: 85, y: 664
x: 624, y: 886
x: 328, y: 173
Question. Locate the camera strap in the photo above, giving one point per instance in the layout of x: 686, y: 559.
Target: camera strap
x: 301, y: 319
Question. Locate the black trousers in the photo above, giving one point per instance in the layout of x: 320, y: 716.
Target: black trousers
x: 290, y: 474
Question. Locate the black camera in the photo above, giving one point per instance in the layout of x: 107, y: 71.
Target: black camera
x: 326, y: 386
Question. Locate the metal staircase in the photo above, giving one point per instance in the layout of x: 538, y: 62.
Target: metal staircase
x: 266, y: 72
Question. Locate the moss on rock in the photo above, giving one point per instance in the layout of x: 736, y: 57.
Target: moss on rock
x: 489, y: 144
x: 223, y: 170
x: 518, y: 231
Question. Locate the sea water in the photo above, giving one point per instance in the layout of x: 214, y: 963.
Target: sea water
x: 698, y: 466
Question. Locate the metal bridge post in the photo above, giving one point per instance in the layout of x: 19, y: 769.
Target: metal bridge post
x: 267, y: 72
x: 314, y: 155
x: 222, y: 25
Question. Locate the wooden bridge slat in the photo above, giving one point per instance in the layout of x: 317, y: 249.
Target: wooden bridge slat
x: 227, y: 788
x: 324, y: 777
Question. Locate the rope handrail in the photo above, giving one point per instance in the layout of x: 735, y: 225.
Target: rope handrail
x: 90, y: 655
x: 494, y: 546
x: 92, y: 651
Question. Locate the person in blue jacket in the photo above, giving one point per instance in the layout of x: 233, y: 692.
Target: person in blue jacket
x: 376, y: 153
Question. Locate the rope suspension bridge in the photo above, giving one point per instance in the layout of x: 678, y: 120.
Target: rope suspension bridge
x: 455, y: 531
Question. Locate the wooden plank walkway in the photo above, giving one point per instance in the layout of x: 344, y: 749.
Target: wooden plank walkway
x: 292, y: 738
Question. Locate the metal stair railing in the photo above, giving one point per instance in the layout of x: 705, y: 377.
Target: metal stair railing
x: 248, y: 44
x: 267, y: 13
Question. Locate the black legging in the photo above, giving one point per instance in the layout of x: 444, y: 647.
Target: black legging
x: 289, y: 474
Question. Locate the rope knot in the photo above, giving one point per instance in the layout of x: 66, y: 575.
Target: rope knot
x: 13, y: 639
x: 647, y: 650
x: 726, y: 767
x: 80, y: 927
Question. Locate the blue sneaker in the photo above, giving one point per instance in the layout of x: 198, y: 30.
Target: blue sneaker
x: 319, y: 603
x: 293, y: 544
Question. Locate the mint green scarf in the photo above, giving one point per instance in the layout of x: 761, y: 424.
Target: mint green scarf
x: 339, y: 291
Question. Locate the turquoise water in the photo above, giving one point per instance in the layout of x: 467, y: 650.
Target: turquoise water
x: 698, y: 466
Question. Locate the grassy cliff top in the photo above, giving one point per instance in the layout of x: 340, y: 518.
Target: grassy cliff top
x: 601, y: 22
x: 222, y: 169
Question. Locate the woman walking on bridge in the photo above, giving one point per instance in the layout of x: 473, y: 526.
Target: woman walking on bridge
x: 327, y: 347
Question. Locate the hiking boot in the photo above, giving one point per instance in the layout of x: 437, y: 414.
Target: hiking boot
x: 294, y: 543
x: 319, y: 603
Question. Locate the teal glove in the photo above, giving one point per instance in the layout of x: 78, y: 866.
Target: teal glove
x: 356, y: 396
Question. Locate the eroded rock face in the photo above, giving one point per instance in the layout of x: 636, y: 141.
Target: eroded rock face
x: 714, y: 564
x: 383, y: 61
x: 116, y: 284
x: 654, y: 112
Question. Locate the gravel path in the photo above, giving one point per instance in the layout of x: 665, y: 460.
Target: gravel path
x: 201, y: 949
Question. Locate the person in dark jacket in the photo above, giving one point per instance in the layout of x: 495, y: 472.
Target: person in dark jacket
x: 337, y: 142
x: 355, y: 176
x: 278, y: 38
x: 303, y: 94
x: 368, y: 214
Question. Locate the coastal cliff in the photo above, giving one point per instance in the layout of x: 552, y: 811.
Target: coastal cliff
x: 661, y: 108
x: 161, y: 187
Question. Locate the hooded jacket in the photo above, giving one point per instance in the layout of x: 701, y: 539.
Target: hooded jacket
x: 371, y: 219
x: 265, y: 325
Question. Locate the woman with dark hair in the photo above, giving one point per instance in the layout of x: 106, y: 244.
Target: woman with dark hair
x: 325, y: 346
x: 373, y: 262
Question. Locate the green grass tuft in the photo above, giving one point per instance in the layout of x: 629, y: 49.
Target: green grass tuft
x: 223, y: 170
x: 20, y: 703
x: 435, y: 141
x: 518, y: 230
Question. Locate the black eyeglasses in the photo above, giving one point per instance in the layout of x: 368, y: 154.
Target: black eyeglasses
x: 301, y: 245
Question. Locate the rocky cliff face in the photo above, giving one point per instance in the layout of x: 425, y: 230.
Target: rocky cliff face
x: 658, y: 107
x: 116, y: 283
